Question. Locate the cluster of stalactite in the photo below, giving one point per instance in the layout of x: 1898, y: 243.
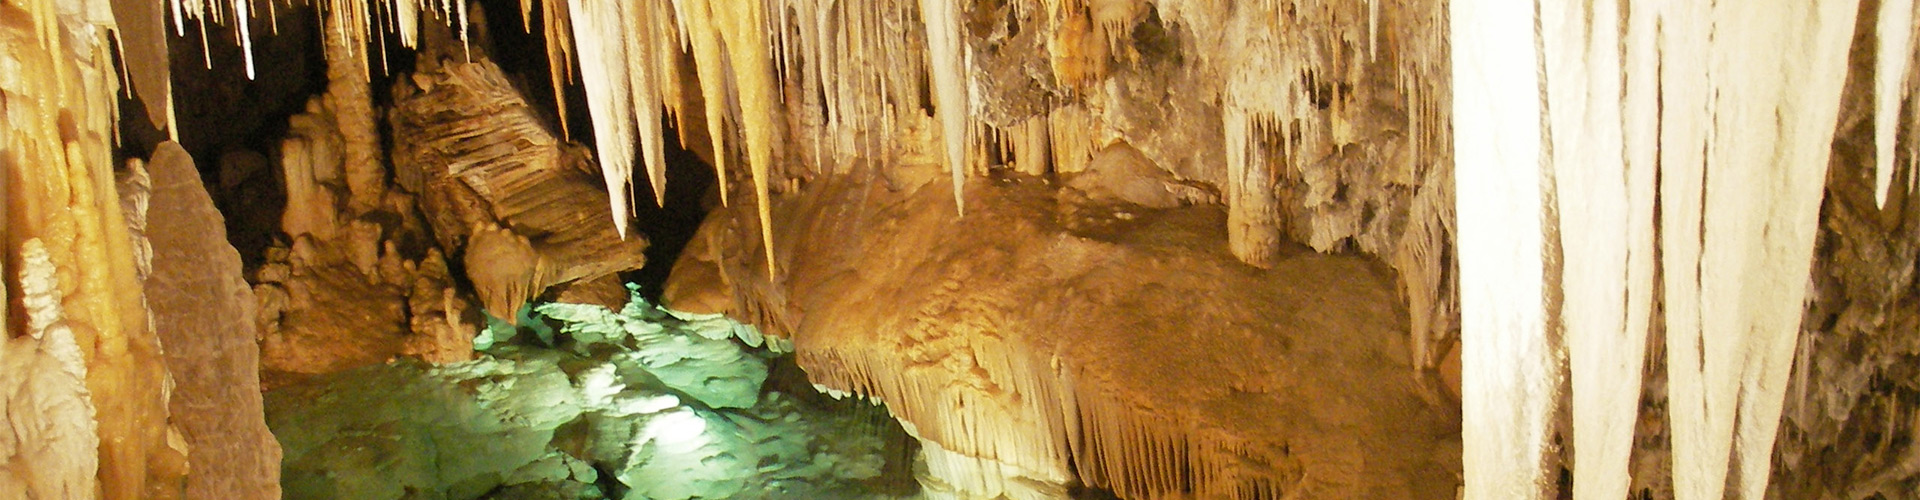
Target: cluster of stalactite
x: 1661, y: 169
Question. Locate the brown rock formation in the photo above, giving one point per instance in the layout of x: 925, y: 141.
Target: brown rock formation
x: 203, y: 312
x: 360, y: 281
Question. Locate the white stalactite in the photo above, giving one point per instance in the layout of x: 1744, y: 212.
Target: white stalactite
x: 1605, y: 208
x: 1509, y: 379
x: 1891, y: 62
x: 645, y: 35
x: 1748, y: 117
x: 947, y: 69
x: 1799, y: 106
x: 600, y: 36
x: 703, y: 38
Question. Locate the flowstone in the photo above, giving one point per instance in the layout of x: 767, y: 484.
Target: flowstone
x: 643, y: 403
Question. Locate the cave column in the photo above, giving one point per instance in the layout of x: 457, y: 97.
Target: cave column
x: 349, y: 96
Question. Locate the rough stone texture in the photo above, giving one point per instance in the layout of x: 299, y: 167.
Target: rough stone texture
x: 636, y: 402
x: 203, y: 312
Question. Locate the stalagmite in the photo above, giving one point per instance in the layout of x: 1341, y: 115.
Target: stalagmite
x: 52, y: 451
x: 350, y: 100
x: 1253, y: 231
x: 1509, y: 375
x: 203, y: 312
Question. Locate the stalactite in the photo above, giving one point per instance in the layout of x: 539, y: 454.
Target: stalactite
x: 754, y: 87
x: 1509, y: 376
x: 703, y: 38
x: 560, y: 52
x: 1605, y: 209
x: 648, y: 54
x: 61, y: 86
x: 947, y: 69
x: 142, y: 34
x: 600, y: 28
x: 1739, y: 219
x: 1737, y: 222
x: 1777, y: 230
x: 1893, y: 58
x: 1069, y: 131
x: 1031, y: 148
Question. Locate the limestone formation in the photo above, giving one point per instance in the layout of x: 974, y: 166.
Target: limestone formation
x: 1015, y: 221
x: 86, y: 385
x: 203, y: 313
x: 1132, y: 377
x: 360, y: 280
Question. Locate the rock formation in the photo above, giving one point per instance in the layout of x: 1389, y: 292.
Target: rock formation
x: 85, y: 385
x: 355, y: 285
x: 203, y: 314
x: 497, y: 186
x: 1133, y: 376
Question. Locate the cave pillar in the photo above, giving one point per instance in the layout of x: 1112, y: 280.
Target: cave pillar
x: 349, y: 97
